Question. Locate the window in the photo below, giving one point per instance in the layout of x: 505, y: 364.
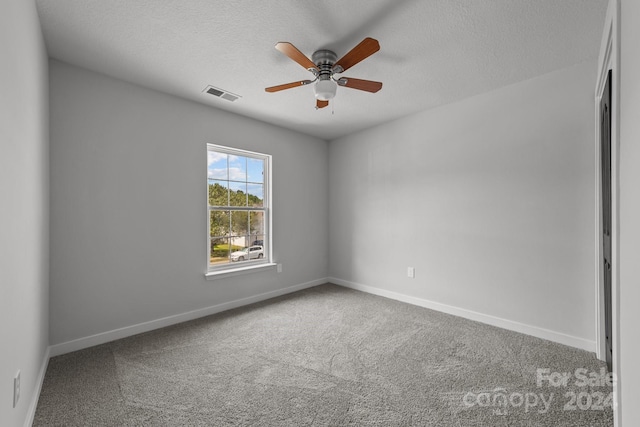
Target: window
x: 239, y: 208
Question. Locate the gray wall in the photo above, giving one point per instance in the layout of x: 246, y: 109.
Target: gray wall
x: 24, y: 233
x: 491, y: 199
x: 128, y: 204
x: 629, y: 212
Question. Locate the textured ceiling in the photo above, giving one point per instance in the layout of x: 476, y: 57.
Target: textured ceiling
x: 432, y: 52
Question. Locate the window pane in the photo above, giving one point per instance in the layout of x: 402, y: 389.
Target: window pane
x: 219, y: 250
x: 218, y: 193
x: 239, y: 223
x: 255, y: 195
x: 238, y: 193
x: 255, y: 170
x: 256, y: 223
x: 238, y: 243
x: 219, y: 223
x: 237, y: 168
x: 217, y: 165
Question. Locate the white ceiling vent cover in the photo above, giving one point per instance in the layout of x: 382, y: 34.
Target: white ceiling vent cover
x: 221, y: 93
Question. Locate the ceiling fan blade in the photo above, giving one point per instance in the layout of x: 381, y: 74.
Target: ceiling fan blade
x: 288, y: 86
x: 292, y: 52
x: 366, y: 48
x: 321, y: 104
x: 366, y: 85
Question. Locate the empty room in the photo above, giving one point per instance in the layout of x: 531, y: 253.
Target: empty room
x: 366, y: 213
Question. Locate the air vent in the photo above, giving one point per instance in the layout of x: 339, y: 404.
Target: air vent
x: 221, y: 93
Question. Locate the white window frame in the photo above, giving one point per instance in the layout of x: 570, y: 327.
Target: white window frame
x: 248, y: 266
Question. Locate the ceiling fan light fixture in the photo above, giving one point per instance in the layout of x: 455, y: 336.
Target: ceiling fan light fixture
x: 325, y: 89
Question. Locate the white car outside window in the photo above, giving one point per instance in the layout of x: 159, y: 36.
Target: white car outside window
x: 252, y: 252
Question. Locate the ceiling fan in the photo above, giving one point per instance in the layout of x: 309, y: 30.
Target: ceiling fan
x: 324, y: 66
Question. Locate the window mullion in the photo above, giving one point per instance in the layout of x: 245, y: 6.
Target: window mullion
x: 228, y: 184
x: 237, y: 208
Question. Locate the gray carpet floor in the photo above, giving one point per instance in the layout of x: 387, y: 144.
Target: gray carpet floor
x: 325, y: 356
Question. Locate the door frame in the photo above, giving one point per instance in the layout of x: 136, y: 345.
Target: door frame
x: 609, y: 59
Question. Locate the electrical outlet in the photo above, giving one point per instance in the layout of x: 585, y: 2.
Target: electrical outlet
x: 411, y: 272
x: 16, y: 389
x: 279, y: 268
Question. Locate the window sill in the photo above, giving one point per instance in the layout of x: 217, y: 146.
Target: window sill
x: 222, y: 274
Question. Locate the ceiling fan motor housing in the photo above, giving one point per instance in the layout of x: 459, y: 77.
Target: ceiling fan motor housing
x: 324, y: 57
x: 325, y: 88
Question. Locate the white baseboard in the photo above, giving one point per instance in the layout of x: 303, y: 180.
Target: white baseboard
x: 33, y: 405
x: 511, y: 325
x: 127, y: 331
